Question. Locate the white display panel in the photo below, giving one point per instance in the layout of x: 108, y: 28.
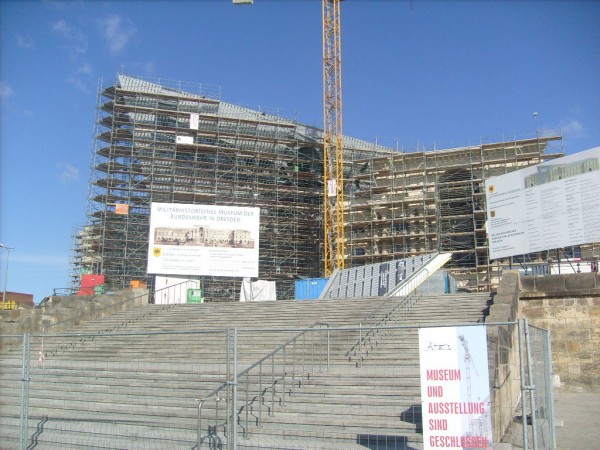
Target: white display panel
x: 455, y: 393
x: 551, y: 205
x: 203, y: 240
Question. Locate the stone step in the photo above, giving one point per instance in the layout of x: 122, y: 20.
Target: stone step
x: 55, y: 432
x: 108, y: 387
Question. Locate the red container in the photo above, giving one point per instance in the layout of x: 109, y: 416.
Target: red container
x: 90, y: 280
x: 85, y: 291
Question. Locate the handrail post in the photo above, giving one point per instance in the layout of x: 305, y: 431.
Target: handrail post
x: 272, y: 385
x: 261, y: 397
x: 294, y: 365
x: 360, y: 343
x: 199, y: 430
x: 328, y: 348
x: 303, y: 354
x: 312, y: 353
x: 247, y: 403
x: 234, y: 394
x: 284, y: 376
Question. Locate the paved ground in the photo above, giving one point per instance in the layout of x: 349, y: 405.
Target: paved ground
x: 579, y: 415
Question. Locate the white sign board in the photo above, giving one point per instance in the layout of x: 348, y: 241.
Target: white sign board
x: 455, y: 393
x: 551, y: 205
x: 194, y: 121
x: 184, y: 139
x: 203, y: 240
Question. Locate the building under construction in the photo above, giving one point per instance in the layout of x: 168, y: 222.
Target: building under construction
x: 165, y: 142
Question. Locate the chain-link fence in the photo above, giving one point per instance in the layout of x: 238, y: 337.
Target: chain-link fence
x: 311, y: 388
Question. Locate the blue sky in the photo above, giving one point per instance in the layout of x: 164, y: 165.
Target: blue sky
x: 415, y: 74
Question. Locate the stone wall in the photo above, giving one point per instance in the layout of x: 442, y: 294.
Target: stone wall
x: 568, y: 306
x: 503, y: 354
x: 61, y: 313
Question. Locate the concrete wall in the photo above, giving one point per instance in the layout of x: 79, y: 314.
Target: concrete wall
x: 569, y: 306
x: 64, y: 312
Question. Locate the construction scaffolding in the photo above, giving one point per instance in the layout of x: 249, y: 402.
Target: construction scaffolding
x: 161, y: 144
x: 407, y: 204
x: 170, y: 143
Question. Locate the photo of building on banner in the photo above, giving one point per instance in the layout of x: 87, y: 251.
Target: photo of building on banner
x: 203, y: 240
x: 455, y: 393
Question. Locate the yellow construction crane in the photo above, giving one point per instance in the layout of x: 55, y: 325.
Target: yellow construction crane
x: 333, y: 139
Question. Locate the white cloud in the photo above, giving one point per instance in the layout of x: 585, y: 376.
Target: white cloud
x: 5, y: 91
x: 116, y: 32
x: 572, y: 128
x: 77, y: 41
x: 25, y: 42
x: 68, y: 173
x: 61, y: 27
x: 85, y: 69
x: 78, y: 83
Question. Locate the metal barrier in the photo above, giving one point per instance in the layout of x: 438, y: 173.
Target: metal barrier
x: 266, y: 388
x: 538, y: 403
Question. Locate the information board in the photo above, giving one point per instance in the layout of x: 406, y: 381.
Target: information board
x: 551, y: 205
x: 203, y: 240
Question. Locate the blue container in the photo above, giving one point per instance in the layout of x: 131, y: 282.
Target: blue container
x: 310, y: 289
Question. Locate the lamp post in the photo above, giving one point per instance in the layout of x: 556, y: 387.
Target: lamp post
x: 8, y: 249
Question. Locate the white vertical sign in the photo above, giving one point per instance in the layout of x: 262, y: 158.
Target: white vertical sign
x: 331, y: 188
x: 455, y: 394
x: 194, y: 120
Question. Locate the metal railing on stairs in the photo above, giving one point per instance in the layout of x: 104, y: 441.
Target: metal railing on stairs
x: 265, y: 385
x: 368, y: 339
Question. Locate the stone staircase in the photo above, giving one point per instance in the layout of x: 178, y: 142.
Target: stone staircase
x: 134, y: 379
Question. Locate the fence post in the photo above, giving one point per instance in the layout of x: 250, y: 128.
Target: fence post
x: 25, y: 395
x: 549, y: 385
x: 520, y: 332
x: 531, y: 387
x: 227, y: 431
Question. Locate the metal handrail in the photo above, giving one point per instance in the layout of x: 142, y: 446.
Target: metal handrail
x: 408, y: 302
x: 412, y: 281
x: 246, y: 372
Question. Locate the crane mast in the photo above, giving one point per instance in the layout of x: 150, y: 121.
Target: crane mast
x: 333, y: 139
